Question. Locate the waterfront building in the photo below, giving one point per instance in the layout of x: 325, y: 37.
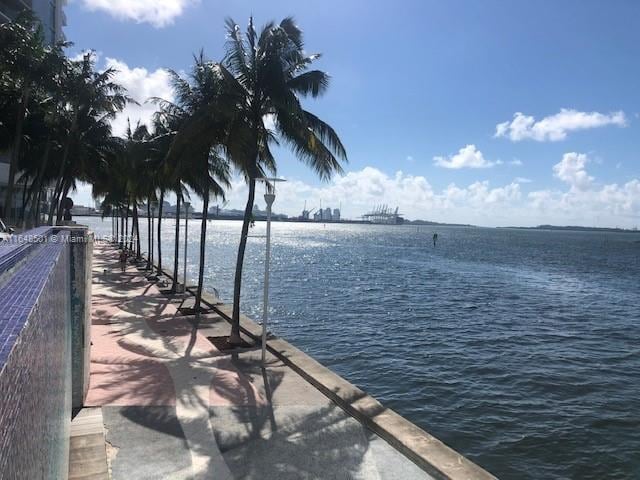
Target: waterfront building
x: 322, y: 215
x: 49, y: 12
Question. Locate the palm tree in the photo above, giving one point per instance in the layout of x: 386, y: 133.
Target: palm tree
x: 197, y: 153
x: 163, y: 134
x: 167, y: 121
x: 269, y: 73
x: 123, y: 179
x: 93, y: 100
x: 28, y: 65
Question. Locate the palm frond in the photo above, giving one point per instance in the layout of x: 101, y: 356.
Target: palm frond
x: 313, y: 82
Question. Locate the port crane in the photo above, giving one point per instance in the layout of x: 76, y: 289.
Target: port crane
x: 306, y: 214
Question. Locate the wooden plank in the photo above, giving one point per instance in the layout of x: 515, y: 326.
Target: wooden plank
x: 87, y: 448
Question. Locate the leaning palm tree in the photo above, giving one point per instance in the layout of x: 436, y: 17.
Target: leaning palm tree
x: 269, y: 72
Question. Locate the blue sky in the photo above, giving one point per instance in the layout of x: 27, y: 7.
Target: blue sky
x: 419, y: 87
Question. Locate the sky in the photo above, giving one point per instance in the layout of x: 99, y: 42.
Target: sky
x: 489, y: 112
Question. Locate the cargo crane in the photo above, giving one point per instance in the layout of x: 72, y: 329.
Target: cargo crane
x: 306, y: 214
x: 384, y: 214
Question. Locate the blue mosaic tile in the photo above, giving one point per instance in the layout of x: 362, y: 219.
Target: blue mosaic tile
x: 35, y: 357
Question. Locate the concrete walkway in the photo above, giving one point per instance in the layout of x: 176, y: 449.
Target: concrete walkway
x: 175, y: 407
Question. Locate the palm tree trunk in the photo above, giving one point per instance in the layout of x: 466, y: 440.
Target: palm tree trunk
x: 176, y: 250
x: 203, y: 235
x: 126, y: 225
x: 63, y: 161
x: 15, y: 153
x: 123, y: 230
x: 63, y: 194
x: 55, y: 199
x: 133, y: 228
x: 136, y: 220
x: 149, y: 233
x: 24, y: 199
x: 37, y: 209
x: 234, y: 338
x: 36, y: 187
x: 52, y: 205
x: 159, y: 231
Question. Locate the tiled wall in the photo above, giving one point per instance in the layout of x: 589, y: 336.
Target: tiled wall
x: 35, y: 360
x: 81, y: 251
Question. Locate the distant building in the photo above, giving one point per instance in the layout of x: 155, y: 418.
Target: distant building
x: 322, y: 215
x: 49, y: 12
x: 82, y: 210
x: 216, y: 211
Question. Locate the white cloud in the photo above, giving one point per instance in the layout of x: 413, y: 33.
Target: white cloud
x: 586, y: 202
x: 556, y: 127
x: 158, y: 13
x: 516, y: 162
x: 467, y: 157
x: 141, y: 84
x: 522, y: 180
x: 359, y: 191
x: 571, y: 170
x: 478, y: 203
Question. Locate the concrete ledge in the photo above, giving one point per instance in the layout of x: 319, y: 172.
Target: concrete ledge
x: 423, y: 449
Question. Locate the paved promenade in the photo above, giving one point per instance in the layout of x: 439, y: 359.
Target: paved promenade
x: 175, y: 407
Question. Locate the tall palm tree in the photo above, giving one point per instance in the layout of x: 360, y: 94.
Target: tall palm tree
x: 164, y: 125
x: 197, y: 154
x: 167, y: 121
x: 269, y: 72
x: 122, y: 180
x: 93, y: 100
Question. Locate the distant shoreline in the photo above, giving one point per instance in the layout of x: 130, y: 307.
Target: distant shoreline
x: 577, y: 229
x: 261, y: 218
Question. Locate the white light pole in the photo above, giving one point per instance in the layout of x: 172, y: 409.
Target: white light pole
x: 269, y: 198
x: 186, y: 229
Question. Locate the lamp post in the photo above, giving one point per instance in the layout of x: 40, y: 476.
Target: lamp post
x: 269, y: 198
x: 187, y: 205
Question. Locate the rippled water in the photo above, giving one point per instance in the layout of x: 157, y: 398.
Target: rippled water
x: 520, y: 349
